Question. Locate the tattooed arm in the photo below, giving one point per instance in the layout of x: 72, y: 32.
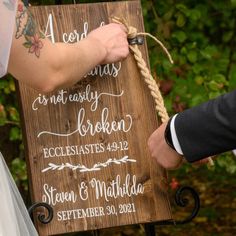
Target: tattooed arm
x: 46, y: 66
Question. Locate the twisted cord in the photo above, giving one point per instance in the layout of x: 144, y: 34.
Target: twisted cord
x: 145, y: 72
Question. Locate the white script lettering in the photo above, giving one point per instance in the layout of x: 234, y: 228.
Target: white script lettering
x: 117, y: 189
x: 52, y: 197
x: 85, y: 127
x: 79, y: 97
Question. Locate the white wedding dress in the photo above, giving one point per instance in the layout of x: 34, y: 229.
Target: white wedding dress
x: 14, y: 217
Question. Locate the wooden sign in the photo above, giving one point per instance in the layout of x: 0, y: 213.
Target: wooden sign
x: 87, y: 145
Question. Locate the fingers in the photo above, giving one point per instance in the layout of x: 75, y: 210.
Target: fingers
x: 120, y: 26
x: 113, y: 37
x: 123, y: 28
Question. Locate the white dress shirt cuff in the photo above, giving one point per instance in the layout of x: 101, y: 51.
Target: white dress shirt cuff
x: 174, y: 136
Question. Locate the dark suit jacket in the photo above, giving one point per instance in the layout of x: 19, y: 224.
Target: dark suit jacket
x: 208, y: 129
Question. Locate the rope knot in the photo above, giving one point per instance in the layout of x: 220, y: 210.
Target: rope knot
x: 132, y: 32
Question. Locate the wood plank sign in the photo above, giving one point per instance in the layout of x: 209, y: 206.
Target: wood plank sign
x: 86, y: 145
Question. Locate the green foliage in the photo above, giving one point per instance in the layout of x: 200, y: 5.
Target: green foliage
x: 201, y: 37
x: 10, y: 122
x: 18, y: 169
x: 8, y: 107
x: 227, y: 162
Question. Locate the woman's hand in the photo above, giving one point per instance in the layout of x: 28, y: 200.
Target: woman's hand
x: 113, y: 38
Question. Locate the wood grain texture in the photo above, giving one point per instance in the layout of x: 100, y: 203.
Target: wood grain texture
x: 123, y: 100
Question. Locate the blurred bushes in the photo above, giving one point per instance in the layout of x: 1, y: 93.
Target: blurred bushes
x: 201, y: 37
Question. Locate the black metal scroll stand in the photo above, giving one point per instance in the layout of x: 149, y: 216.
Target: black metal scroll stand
x: 44, y: 219
x: 180, y: 200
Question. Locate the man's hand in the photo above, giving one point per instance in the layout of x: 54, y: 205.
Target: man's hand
x: 162, y: 152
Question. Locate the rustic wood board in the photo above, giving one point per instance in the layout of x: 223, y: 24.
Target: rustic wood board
x: 86, y: 146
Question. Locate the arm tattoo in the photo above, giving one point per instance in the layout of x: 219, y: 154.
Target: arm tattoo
x: 27, y: 28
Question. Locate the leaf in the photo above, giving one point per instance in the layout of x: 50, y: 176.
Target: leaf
x: 168, y: 15
x: 61, y: 167
x: 196, y: 100
x: 180, y: 36
x: 192, y: 56
x: 209, y: 52
x: 181, y: 20
x: 27, y: 44
x: 182, y: 8
x: 199, y: 80
x: 3, y: 83
x: 233, y: 2
x: 213, y: 85
x: 3, y: 115
x: 184, y: 50
x: 197, y: 68
x: 13, y: 113
x: 12, y: 85
x: 214, y: 94
x: 15, y: 134
x: 227, y: 36
x: 41, y: 35
x: 219, y: 78
x: 18, y: 168
x: 46, y: 169
x: 232, y: 77
x: 195, y: 14
x: 227, y: 162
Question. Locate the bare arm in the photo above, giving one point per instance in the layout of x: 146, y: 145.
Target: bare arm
x: 45, y: 66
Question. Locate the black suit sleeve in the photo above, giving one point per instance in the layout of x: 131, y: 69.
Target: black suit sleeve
x: 208, y: 129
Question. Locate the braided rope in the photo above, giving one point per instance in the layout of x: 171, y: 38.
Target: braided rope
x: 145, y: 72
x: 151, y: 83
